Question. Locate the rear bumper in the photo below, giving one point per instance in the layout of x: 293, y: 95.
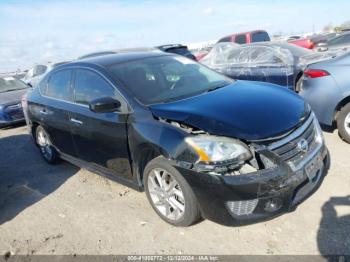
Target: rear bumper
x: 323, y: 95
x: 11, y: 114
x: 254, y: 193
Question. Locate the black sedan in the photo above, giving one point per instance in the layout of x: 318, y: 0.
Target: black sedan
x: 11, y: 92
x: 199, y: 143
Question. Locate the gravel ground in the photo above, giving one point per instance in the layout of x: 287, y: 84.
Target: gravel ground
x: 66, y: 210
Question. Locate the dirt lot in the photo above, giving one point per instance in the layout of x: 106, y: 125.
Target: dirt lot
x: 65, y: 210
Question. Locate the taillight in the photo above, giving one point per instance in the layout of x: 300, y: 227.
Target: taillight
x: 315, y: 73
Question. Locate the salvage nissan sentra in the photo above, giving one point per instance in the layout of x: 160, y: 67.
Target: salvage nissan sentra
x: 198, y: 143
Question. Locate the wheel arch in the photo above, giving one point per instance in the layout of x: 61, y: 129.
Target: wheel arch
x: 340, y: 105
x: 145, y: 153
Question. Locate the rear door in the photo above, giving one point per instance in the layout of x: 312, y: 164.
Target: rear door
x: 100, y: 138
x: 53, y: 110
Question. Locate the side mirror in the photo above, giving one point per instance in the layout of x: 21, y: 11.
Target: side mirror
x: 104, y: 105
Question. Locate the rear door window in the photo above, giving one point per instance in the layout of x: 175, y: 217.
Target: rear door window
x: 241, y: 39
x: 59, y: 85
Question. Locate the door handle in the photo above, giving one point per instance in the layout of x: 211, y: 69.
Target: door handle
x: 43, y: 112
x: 76, y: 121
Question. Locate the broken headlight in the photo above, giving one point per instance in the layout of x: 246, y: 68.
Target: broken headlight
x: 218, y: 149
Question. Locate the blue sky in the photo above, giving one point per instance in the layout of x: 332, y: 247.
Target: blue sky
x: 41, y: 31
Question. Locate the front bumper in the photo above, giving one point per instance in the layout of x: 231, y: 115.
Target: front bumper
x: 11, y: 122
x: 11, y: 115
x: 257, y: 193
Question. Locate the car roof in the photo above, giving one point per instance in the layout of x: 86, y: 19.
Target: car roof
x: 110, y: 59
x: 117, y: 51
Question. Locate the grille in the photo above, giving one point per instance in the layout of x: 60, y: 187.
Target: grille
x: 289, y: 150
x: 240, y: 208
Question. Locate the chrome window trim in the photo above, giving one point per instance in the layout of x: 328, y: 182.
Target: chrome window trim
x: 130, y: 109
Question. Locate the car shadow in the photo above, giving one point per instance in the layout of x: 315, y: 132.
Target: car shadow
x: 328, y: 129
x: 333, y: 237
x: 25, y: 178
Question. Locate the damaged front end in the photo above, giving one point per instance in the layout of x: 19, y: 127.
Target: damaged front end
x: 260, y: 179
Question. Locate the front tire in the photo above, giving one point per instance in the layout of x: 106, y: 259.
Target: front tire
x: 169, y: 193
x: 48, y: 152
x: 343, y: 123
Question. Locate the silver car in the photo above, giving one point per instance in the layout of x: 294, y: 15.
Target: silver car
x: 326, y: 86
x: 340, y: 42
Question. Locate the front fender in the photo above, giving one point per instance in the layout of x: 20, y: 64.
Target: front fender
x: 149, y: 138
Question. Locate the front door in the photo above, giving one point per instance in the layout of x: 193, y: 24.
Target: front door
x: 99, y: 138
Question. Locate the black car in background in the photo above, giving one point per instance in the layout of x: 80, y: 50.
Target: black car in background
x: 273, y: 62
x: 199, y: 143
x: 11, y: 93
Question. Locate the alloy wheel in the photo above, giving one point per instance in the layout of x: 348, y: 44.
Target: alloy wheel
x: 44, y: 144
x: 166, y: 194
x: 347, y: 123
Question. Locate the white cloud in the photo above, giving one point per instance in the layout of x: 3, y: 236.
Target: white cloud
x: 41, y: 31
x: 208, y: 11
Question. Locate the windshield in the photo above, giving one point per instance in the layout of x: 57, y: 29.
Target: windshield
x: 10, y: 84
x: 340, y: 39
x: 166, y: 78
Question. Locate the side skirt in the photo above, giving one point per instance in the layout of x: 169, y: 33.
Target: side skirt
x: 100, y: 171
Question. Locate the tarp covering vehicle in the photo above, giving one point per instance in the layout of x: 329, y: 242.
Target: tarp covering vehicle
x: 278, y: 63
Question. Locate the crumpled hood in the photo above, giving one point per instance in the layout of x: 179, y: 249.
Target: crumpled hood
x: 245, y: 109
x: 12, y: 96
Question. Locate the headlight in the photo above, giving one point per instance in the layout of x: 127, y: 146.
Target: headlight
x: 217, y: 149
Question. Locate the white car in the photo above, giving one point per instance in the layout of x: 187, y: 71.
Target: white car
x: 35, y: 74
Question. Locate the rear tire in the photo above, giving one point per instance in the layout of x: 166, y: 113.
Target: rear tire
x: 177, y: 206
x: 48, y: 152
x: 343, y: 123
